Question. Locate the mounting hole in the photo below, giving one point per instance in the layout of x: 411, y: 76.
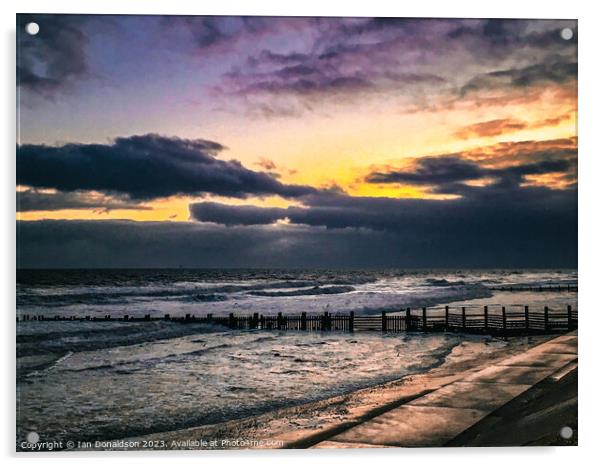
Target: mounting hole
x: 32, y: 28
x: 566, y: 33
x: 566, y: 432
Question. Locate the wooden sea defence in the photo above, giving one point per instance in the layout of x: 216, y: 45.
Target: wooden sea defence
x: 538, y: 288
x: 489, y: 320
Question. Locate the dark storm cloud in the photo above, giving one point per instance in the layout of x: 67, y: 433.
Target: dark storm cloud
x: 188, y: 244
x: 236, y: 215
x: 483, y: 208
x: 508, y: 163
x: 503, y: 224
x: 51, y: 60
x: 145, y: 167
x: 449, y: 169
x: 432, y: 171
x: 556, y: 70
x: 32, y: 200
x: 505, y: 213
x: 447, y: 242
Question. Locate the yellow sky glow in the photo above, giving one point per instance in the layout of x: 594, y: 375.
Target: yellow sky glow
x: 340, y: 149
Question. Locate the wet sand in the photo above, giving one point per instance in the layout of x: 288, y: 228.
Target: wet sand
x: 305, y: 425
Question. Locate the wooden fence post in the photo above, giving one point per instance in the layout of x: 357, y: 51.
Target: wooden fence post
x: 504, y: 317
x: 324, y: 321
x: 167, y: 317
x: 527, y: 317
x: 424, y: 319
x: 255, y: 320
x: 486, y: 316
x: 408, y: 320
x: 262, y: 321
x: 463, y: 318
x: 351, y: 319
x: 231, y: 322
x: 545, y: 318
x: 279, y: 321
x: 569, y: 317
x: 125, y: 317
x: 384, y: 321
x: 446, y: 317
x: 304, y: 321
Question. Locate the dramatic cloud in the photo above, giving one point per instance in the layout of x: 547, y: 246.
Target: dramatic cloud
x: 415, y: 60
x: 239, y: 215
x: 34, y: 200
x: 145, y: 167
x: 555, y: 71
x: 500, y: 126
x: 448, y: 170
x: 445, y: 242
x: 497, y: 206
x: 55, y: 57
x: 483, y: 208
x: 510, y: 163
x: 491, y: 128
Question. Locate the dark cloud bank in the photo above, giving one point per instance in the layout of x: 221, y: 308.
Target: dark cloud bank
x: 497, y: 226
x: 145, y: 167
x: 33, y: 200
x: 464, y: 241
x: 504, y: 222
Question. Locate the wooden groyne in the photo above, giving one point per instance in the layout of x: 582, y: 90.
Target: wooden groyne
x: 538, y: 288
x: 491, y: 320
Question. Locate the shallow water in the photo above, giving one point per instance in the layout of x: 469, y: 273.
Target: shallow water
x: 211, y: 377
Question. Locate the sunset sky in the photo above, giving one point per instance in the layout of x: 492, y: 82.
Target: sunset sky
x: 275, y: 142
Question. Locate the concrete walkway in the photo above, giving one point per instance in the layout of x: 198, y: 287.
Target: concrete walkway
x: 435, y: 419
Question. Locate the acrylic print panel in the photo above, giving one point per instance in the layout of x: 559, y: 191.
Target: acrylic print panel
x: 278, y: 232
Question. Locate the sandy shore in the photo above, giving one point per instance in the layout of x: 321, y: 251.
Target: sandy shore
x: 304, y: 425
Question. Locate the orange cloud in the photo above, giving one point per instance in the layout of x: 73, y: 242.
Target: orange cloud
x: 501, y: 126
x: 491, y: 128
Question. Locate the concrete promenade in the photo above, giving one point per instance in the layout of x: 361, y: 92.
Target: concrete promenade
x: 437, y: 418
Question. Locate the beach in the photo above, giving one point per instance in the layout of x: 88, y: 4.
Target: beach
x: 306, y: 425
x: 173, y: 385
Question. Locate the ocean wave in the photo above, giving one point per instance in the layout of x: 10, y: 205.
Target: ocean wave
x: 86, y: 336
x: 316, y: 290
x: 205, y: 298
x: 444, y: 295
x: 199, y: 292
x: 444, y: 282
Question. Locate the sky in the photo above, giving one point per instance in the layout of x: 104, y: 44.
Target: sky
x: 196, y: 141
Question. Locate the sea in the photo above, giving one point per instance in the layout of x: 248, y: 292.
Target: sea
x: 108, y: 380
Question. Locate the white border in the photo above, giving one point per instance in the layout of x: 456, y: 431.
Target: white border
x: 589, y: 218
